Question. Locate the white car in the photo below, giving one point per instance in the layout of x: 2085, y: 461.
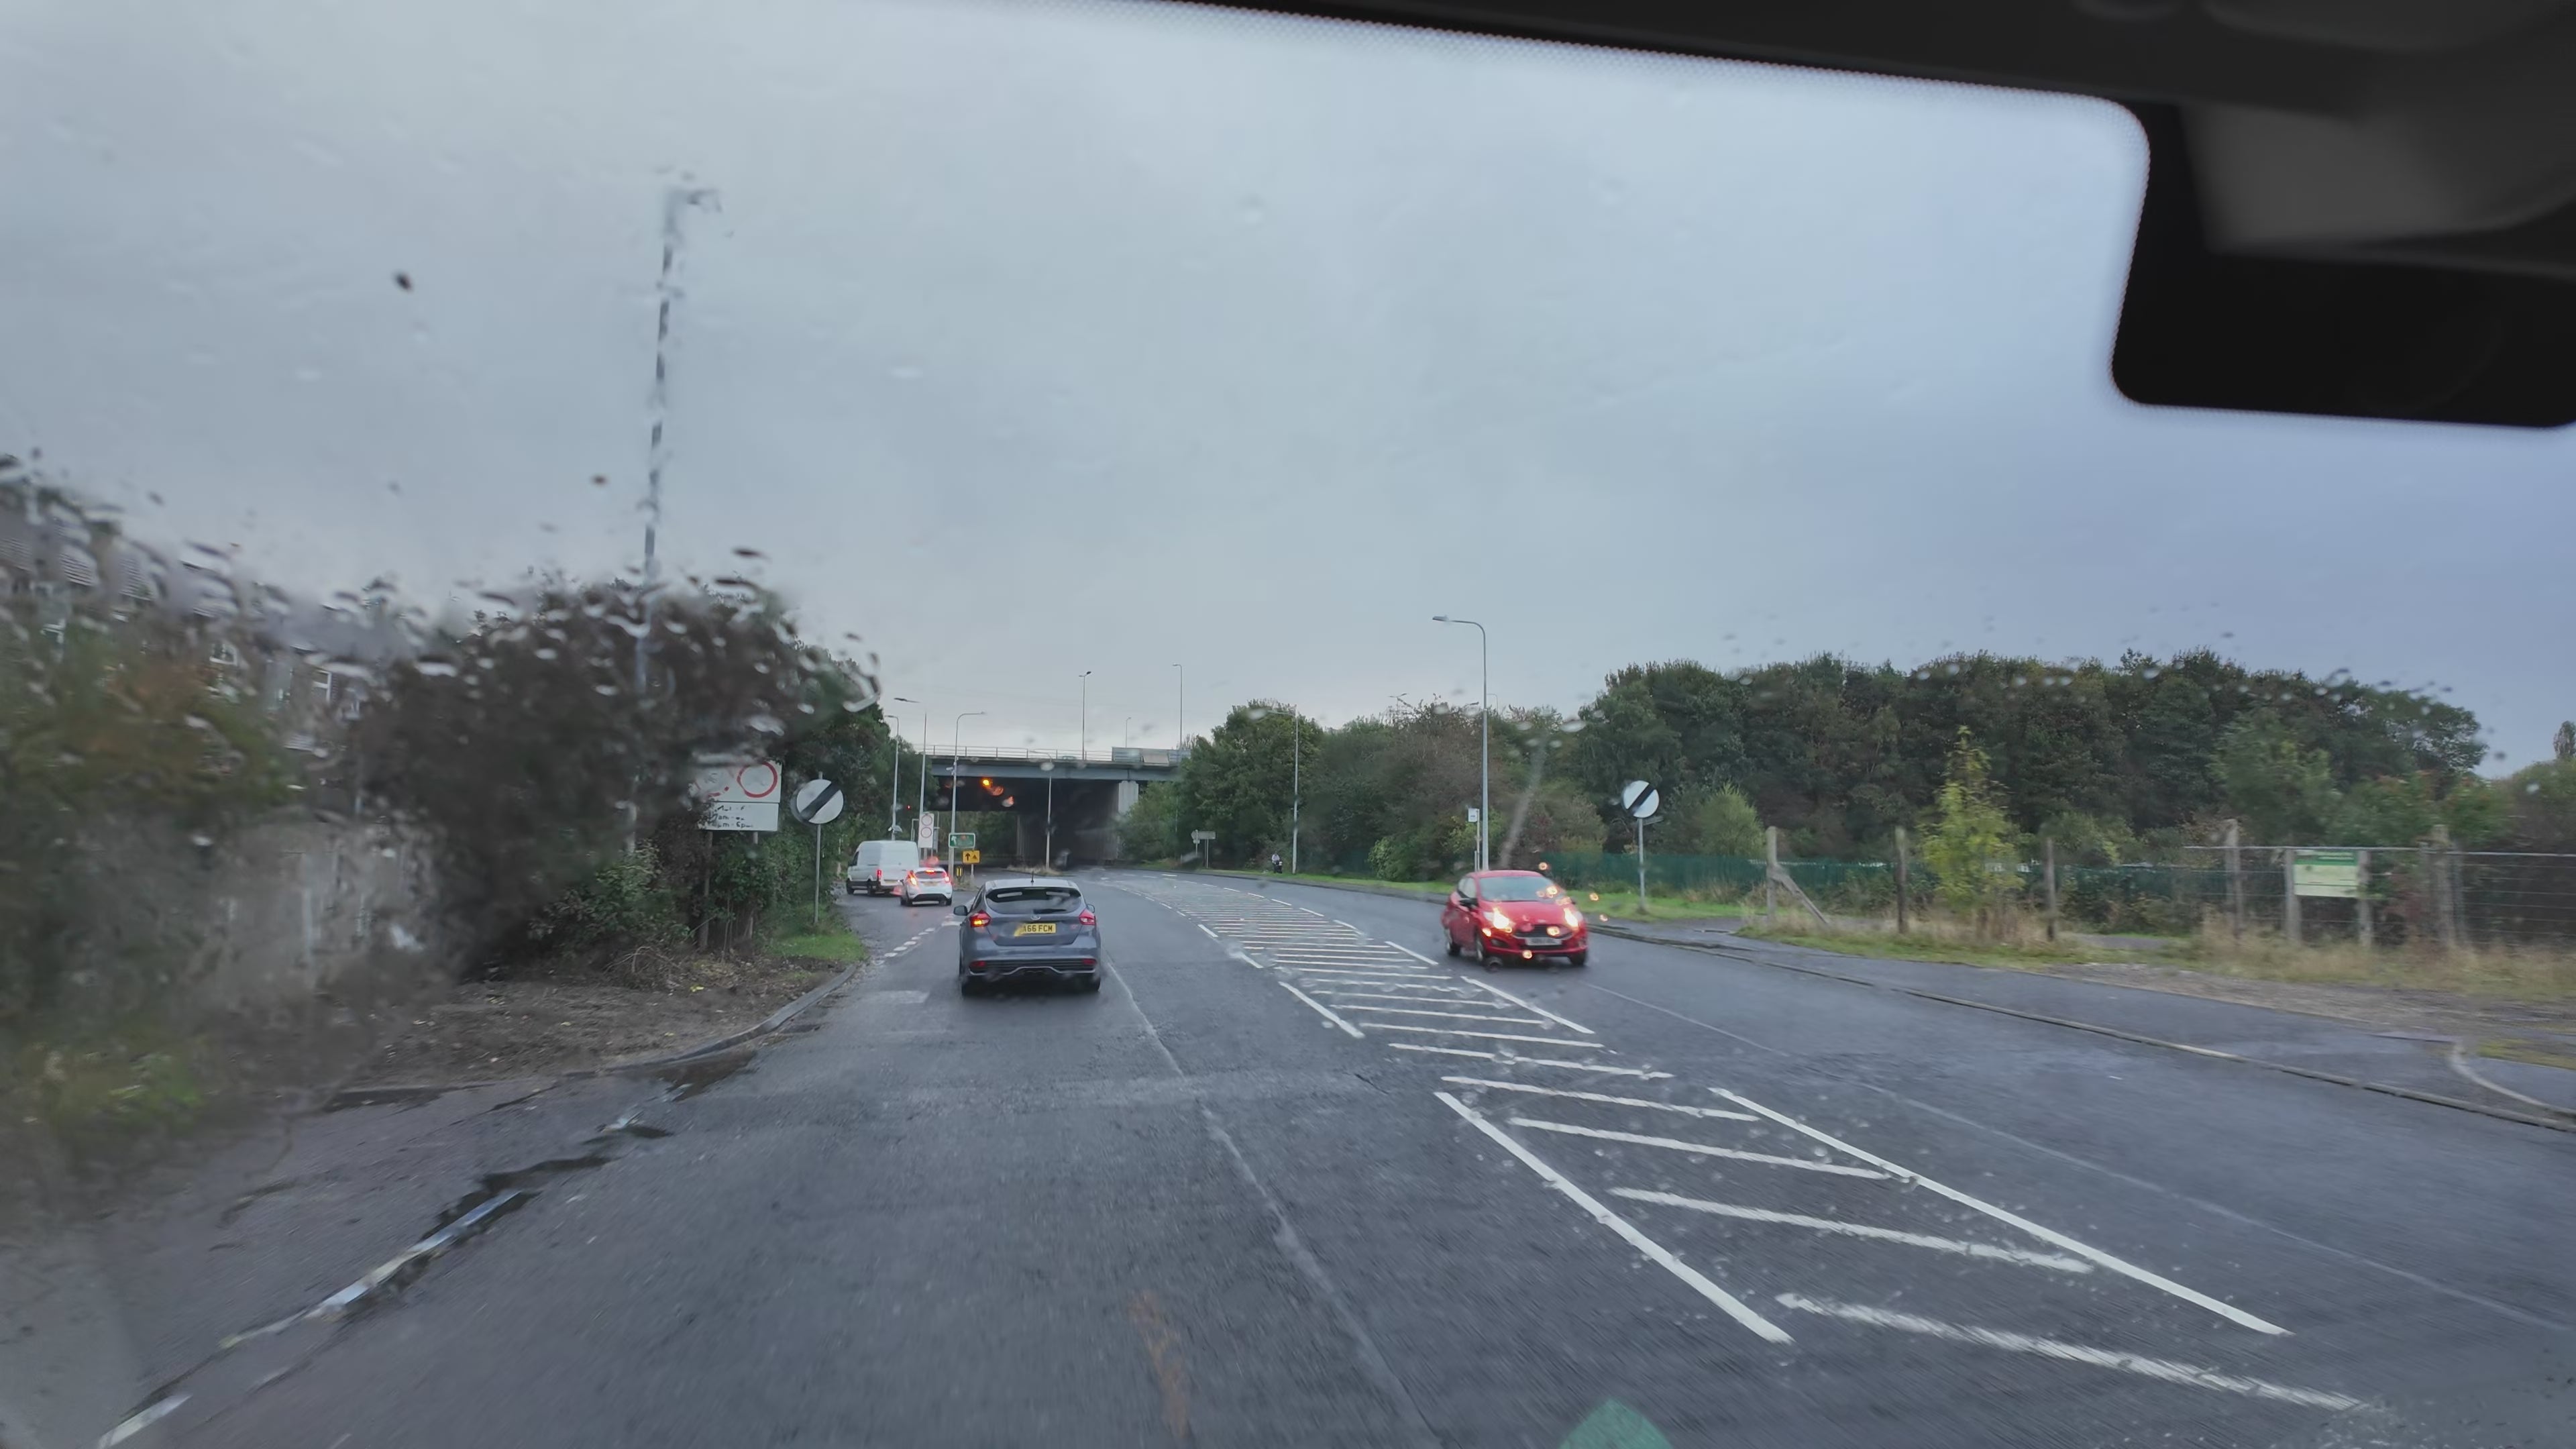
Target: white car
x: 922, y: 883
x: 879, y: 864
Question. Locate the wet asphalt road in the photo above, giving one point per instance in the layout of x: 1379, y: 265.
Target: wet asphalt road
x: 1286, y: 1182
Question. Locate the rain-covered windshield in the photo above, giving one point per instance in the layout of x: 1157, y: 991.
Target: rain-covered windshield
x: 502, y: 506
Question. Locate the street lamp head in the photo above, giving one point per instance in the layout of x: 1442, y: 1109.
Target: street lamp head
x: 1439, y: 618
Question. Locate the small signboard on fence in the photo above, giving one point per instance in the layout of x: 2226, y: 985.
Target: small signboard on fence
x: 2328, y: 874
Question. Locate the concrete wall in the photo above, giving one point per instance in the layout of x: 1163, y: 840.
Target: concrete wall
x: 307, y: 935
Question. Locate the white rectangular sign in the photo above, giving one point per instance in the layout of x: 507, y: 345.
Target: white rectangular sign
x: 925, y: 834
x: 735, y: 815
x: 741, y: 797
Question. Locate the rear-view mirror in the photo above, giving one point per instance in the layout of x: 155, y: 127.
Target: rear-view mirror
x: 957, y: 909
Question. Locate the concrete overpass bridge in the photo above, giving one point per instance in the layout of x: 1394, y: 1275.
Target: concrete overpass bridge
x: 1091, y: 792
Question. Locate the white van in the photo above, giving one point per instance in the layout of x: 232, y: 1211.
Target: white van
x: 880, y: 866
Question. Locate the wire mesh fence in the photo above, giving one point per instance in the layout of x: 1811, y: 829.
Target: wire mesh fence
x: 2427, y: 895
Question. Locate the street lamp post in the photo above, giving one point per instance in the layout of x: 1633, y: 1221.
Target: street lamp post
x: 921, y: 786
x: 955, y: 733
x: 1485, y: 736
x: 1296, y: 743
x: 1084, y: 748
x: 1049, y: 768
x: 894, y: 777
x: 1181, y: 710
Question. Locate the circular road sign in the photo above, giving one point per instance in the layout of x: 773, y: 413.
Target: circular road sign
x: 817, y: 802
x: 1640, y: 799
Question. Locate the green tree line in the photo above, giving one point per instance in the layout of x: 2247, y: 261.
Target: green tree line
x: 2115, y: 762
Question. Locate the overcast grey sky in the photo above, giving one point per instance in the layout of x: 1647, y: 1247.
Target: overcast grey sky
x: 1165, y: 335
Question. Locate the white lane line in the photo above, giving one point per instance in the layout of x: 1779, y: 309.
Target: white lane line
x: 1531, y: 1006
x: 1371, y: 977
x: 2058, y: 1261
x: 2049, y: 1236
x: 1426, y: 997
x: 1655, y: 1252
x: 1345, y: 925
x: 144, y: 1418
x: 1697, y: 1149
x: 1211, y: 935
x: 1453, y: 1015
x: 2154, y: 1368
x: 1326, y: 1010
x: 1554, y: 1041
x: 1416, y: 955
x: 1602, y: 1097
x: 1641, y: 1073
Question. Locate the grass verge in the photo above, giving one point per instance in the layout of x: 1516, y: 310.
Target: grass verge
x: 1888, y: 946
x: 835, y: 942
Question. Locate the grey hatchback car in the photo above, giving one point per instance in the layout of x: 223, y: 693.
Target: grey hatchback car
x: 1028, y: 929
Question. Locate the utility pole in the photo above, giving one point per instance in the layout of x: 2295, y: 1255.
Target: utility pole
x: 1485, y: 743
x: 676, y: 203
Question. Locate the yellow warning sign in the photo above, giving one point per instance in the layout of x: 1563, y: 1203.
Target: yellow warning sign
x: 970, y: 857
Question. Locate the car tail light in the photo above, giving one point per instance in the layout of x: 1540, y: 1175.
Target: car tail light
x: 1088, y: 919
x: 979, y: 919
x: 1497, y: 920
x: 1574, y: 918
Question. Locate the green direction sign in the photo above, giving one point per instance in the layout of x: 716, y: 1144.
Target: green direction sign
x: 961, y: 840
x: 2332, y: 874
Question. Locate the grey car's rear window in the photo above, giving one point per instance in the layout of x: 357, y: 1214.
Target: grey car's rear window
x: 1033, y: 901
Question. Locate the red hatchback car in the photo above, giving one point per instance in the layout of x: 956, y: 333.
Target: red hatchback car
x: 1514, y: 915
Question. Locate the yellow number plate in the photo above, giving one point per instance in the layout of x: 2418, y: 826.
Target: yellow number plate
x: 1043, y: 928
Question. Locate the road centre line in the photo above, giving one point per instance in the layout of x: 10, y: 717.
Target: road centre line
x: 2154, y: 1368
x: 1456, y: 1015
x: 2058, y: 1261
x: 1602, y: 1068
x: 1554, y: 1041
x: 2049, y: 1236
x: 1605, y: 1097
x: 1655, y: 1252
x: 1326, y: 1010
x: 1699, y: 1149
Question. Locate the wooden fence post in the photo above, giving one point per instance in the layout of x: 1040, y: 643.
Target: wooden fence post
x: 1770, y: 869
x: 2361, y: 897
x: 2048, y: 851
x: 2235, y: 885
x: 2290, y: 894
x: 1900, y: 881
